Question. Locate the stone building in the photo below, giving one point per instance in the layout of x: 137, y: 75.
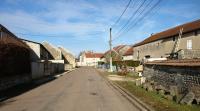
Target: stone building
x: 39, y: 57
x: 128, y: 55
x: 14, y: 54
x: 162, y: 44
x: 38, y: 51
x: 55, y: 52
x: 69, y: 59
x: 57, y: 65
x: 15, y: 64
x: 117, y: 53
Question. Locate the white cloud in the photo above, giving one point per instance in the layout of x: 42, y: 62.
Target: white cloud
x: 60, y: 13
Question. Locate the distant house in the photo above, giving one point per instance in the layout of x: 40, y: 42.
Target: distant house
x: 128, y: 54
x: 89, y: 58
x: 117, y: 53
x: 162, y: 44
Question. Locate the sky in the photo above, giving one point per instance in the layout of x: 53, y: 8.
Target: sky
x: 81, y: 25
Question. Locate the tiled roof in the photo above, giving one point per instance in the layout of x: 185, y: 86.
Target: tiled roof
x: 116, y: 48
x: 187, y: 27
x: 93, y: 55
x: 129, y: 51
x: 11, y: 38
x: 183, y: 62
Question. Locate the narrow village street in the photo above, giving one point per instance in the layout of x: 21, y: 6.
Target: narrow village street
x: 80, y: 90
x: 99, y: 55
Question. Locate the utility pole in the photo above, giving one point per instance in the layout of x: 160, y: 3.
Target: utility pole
x: 110, y: 43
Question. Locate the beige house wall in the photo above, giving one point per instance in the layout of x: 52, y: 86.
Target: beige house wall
x: 123, y: 50
x: 162, y: 48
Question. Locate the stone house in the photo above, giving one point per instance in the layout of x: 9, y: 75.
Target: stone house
x: 128, y: 54
x: 162, y: 44
x: 117, y: 53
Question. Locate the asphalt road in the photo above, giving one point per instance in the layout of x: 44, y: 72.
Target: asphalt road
x: 80, y: 90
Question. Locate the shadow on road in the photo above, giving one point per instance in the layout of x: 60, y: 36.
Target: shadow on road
x: 20, y: 89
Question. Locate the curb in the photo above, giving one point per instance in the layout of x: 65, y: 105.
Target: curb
x: 62, y: 74
x: 130, y: 97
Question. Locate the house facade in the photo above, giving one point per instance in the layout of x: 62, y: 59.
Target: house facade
x: 128, y: 55
x: 89, y: 58
x: 162, y: 44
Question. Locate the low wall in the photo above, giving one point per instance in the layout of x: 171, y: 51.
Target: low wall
x: 183, y: 83
x: 57, y: 68
x: 68, y: 67
x: 45, y: 68
x: 37, y: 70
x: 188, y: 54
x: 11, y: 81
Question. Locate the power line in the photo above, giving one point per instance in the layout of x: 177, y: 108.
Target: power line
x: 132, y: 16
x: 140, y: 19
x: 140, y: 13
x: 55, y: 35
x: 145, y: 15
x: 122, y: 13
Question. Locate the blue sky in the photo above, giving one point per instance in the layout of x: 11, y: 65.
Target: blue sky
x: 84, y: 24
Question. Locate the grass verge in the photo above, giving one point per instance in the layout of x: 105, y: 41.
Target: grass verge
x: 155, y: 100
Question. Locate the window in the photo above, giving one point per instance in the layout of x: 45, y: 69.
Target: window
x: 195, y: 33
x: 138, y: 54
x: 1, y: 34
x: 147, y: 56
x: 174, y: 38
x: 189, y: 44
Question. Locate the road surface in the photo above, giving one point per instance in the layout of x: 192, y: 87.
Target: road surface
x: 80, y: 90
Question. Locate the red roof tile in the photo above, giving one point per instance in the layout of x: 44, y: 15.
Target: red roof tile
x: 116, y: 48
x: 93, y: 55
x: 183, y: 62
x: 129, y: 52
x: 187, y: 27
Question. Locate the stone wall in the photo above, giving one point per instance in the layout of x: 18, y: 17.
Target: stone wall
x: 175, y: 81
x: 188, y: 54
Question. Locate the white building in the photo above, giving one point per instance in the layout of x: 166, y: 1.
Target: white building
x: 89, y: 58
